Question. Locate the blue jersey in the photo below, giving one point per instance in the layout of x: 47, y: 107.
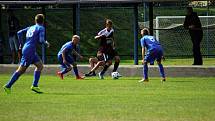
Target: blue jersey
x: 150, y: 43
x: 34, y: 34
x: 68, y: 47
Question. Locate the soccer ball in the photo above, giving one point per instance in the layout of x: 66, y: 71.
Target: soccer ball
x: 115, y: 75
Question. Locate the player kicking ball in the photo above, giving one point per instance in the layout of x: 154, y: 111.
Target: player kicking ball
x: 66, y: 59
x: 106, y: 50
x: 154, y: 52
x: 34, y: 34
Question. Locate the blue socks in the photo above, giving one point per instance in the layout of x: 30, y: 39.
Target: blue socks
x: 13, y: 79
x: 36, y: 78
x: 161, y: 69
x: 145, y: 71
x: 65, y: 70
x: 75, y: 69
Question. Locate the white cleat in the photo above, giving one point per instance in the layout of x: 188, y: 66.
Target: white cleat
x: 100, y: 75
x: 144, y: 80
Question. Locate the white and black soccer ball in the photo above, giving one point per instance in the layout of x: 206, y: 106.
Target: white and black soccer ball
x: 115, y: 75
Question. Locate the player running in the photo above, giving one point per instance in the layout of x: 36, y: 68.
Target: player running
x: 34, y: 34
x: 65, y: 57
x: 106, y: 50
x: 154, y: 52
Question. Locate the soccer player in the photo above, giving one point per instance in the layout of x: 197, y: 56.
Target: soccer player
x: 65, y: 57
x: 107, y: 48
x: 154, y: 52
x: 34, y: 35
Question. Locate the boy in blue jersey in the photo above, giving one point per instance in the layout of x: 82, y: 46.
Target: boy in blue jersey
x: 65, y: 58
x: 154, y: 52
x: 34, y: 34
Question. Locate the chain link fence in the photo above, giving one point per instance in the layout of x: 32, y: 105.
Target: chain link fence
x: 176, y: 40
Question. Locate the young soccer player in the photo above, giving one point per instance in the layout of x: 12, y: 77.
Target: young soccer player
x: 65, y: 58
x: 154, y: 52
x: 107, y: 47
x: 34, y: 35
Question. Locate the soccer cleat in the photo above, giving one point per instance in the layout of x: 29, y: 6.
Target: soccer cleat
x: 60, y: 75
x: 79, y: 77
x: 101, y: 76
x: 6, y: 89
x: 144, y: 80
x: 36, y: 89
x: 163, y: 79
x: 90, y: 74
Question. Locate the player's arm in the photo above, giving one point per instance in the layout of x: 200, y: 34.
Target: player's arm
x: 64, y: 56
x: 143, y: 49
x: 20, y: 36
x: 143, y: 53
x: 77, y: 54
x: 186, y: 24
x: 99, y: 36
x: 42, y: 37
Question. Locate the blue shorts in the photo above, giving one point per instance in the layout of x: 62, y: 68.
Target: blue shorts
x: 154, y: 55
x: 27, y: 60
x: 69, y: 59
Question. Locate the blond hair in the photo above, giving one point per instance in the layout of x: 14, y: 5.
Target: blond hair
x: 76, y: 36
x: 39, y: 18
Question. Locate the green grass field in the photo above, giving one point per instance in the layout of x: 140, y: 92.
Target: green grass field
x: 178, y: 99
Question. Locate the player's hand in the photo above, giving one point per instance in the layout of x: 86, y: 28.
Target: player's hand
x: 191, y: 27
x: 97, y: 37
x: 143, y: 61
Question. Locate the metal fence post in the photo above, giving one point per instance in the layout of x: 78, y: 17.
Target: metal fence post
x: 44, y: 46
x: 135, y: 20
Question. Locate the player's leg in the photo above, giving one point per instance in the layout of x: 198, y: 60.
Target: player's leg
x: 161, y: 69
x: 106, y: 66
x: 92, y: 71
x: 65, y: 67
x: 159, y: 56
x: 148, y: 59
x: 21, y: 69
x: 117, y: 60
x: 93, y: 63
x: 37, y: 73
x: 99, y: 63
x: 75, y: 69
x: 145, y: 72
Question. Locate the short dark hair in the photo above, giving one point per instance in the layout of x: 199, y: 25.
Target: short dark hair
x: 190, y: 8
x: 145, y: 31
x: 39, y: 18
